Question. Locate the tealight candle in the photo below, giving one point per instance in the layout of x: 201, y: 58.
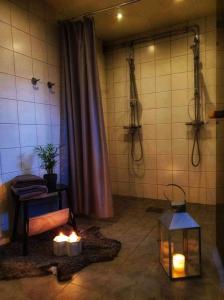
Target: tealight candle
x: 179, y: 263
x: 74, y: 245
x: 59, y: 244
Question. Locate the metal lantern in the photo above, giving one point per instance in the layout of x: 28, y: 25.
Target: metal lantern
x: 180, y: 245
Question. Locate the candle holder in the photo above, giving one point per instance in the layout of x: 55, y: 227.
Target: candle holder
x: 59, y: 245
x: 180, y: 245
x: 74, y: 245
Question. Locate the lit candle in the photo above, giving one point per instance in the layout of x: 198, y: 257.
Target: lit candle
x: 179, y: 263
x: 74, y: 244
x: 59, y: 244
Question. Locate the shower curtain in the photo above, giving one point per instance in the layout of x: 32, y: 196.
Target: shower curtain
x: 84, y: 160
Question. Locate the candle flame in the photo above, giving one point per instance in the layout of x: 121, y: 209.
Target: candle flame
x: 73, y: 237
x: 61, y: 238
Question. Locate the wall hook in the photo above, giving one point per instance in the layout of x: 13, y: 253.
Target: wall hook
x: 34, y: 80
x: 50, y: 84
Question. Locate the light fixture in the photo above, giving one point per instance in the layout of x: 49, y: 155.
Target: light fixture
x: 119, y: 16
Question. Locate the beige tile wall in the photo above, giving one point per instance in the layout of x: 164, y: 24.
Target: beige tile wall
x: 29, y: 116
x: 164, y: 73
x: 102, y: 77
x: 220, y: 123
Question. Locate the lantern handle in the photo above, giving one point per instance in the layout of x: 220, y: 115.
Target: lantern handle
x: 178, y: 186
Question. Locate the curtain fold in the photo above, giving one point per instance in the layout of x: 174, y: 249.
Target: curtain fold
x: 84, y: 159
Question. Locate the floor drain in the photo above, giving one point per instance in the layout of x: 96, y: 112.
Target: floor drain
x: 157, y: 210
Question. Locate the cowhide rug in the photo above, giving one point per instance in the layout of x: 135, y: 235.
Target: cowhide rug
x: 41, y: 261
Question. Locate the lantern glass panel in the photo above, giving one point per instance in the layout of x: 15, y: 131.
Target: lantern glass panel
x: 164, y: 248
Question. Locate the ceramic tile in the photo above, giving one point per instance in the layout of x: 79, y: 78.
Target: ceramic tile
x: 8, y: 111
x: 55, y: 134
x: 9, y: 135
x: 37, y: 27
x: 21, y: 42
x: 163, y: 115
x: 26, y: 112
x: 147, y: 69
x: 43, y: 134
x: 19, y: 18
x: 164, y: 177
x: 43, y: 116
x: 24, y: 89
x: 179, y: 47
x: 164, y: 162
x: 28, y: 135
x: 6, y: 61
x: 163, y: 131
x: 6, y: 35
x: 39, y: 49
x: 5, y: 11
x: 163, y: 99
x: 179, y: 64
x: 52, y: 55
x: 162, y: 50
x: 23, y: 66
x: 147, y: 53
x: 179, y: 81
x: 55, y: 115
x: 148, y: 85
x: 14, y: 163
x: 7, y: 86
x: 163, y: 67
x: 163, y: 83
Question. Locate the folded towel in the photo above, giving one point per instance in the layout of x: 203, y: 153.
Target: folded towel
x: 27, y: 180
x: 28, y: 192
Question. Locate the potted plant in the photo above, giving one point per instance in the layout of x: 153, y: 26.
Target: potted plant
x: 48, y: 155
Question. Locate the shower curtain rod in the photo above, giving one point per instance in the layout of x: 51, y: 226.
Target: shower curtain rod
x: 122, y: 43
x: 98, y: 11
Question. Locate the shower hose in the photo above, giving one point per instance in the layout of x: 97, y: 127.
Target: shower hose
x: 135, y: 126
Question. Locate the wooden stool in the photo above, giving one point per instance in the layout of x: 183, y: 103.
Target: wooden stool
x: 23, y: 204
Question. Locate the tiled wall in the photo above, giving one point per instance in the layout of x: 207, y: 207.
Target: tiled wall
x: 102, y: 77
x: 29, y: 116
x: 164, y: 72
x: 220, y: 131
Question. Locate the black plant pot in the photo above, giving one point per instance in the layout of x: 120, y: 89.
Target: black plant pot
x: 51, y: 181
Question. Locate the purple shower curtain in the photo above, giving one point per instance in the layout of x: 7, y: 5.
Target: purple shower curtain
x: 84, y: 161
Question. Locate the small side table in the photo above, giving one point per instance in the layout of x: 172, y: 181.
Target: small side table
x: 60, y: 188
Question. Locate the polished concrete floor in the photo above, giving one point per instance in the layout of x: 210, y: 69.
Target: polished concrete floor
x: 136, y: 272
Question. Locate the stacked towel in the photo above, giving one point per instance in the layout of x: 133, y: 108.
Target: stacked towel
x: 28, y: 186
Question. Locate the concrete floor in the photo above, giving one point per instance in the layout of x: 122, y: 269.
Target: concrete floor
x: 136, y: 272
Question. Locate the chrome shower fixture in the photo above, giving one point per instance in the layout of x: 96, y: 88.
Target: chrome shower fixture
x: 134, y: 129
x: 197, y: 123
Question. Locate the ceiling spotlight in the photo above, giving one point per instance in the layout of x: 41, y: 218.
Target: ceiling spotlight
x: 119, y: 16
